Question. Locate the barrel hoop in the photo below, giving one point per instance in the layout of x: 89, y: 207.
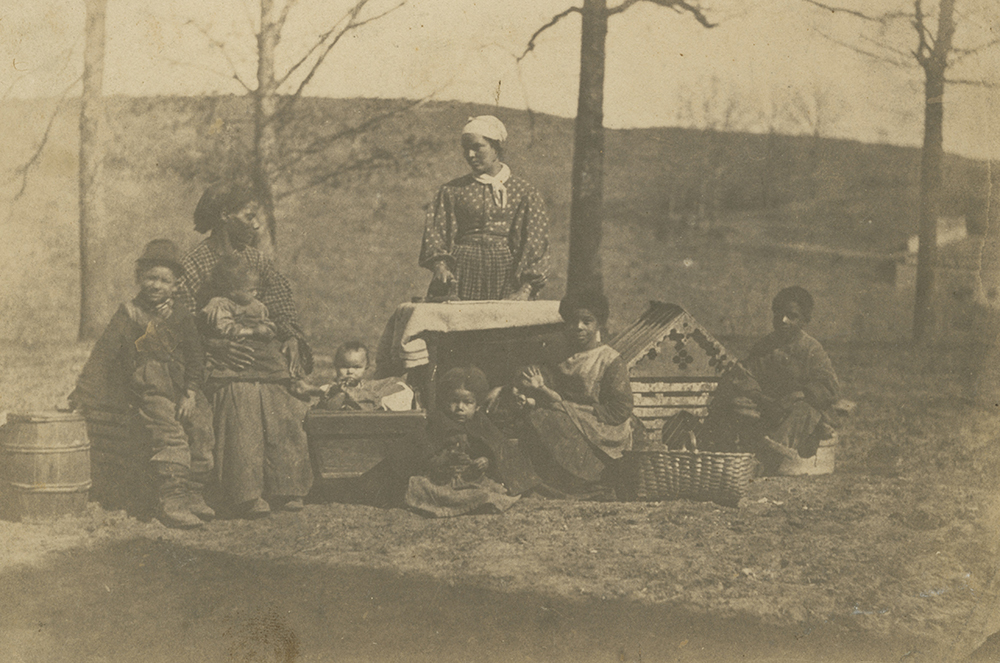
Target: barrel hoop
x: 53, y: 487
x: 44, y: 450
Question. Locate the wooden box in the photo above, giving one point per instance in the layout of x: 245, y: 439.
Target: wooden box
x: 347, y: 444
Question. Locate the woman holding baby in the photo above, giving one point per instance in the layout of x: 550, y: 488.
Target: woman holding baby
x: 257, y: 356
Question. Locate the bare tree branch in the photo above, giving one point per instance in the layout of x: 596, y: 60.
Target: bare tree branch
x: 312, y: 49
x: 924, y: 49
x: 682, y: 7
x: 989, y: 85
x: 221, y: 47
x: 201, y: 67
x: 868, y: 54
x: 334, y: 175
x: 622, y: 7
x: 905, y: 55
x: 284, y: 15
x: 844, y: 10
x: 353, y: 24
x: 320, y: 144
x: 959, y: 54
x: 555, y: 19
x: 26, y: 167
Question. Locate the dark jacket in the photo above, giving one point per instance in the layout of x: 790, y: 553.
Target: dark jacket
x: 133, y: 336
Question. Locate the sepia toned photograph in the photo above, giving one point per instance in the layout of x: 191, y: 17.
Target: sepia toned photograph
x: 538, y: 330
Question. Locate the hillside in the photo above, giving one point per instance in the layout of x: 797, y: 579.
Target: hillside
x: 350, y: 248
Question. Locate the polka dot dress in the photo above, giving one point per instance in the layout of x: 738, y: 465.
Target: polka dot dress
x: 493, y: 251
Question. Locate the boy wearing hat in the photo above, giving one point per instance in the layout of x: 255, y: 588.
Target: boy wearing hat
x: 149, y: 361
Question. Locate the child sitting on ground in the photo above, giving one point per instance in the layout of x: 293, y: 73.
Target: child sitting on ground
x: 462, y: 457
x: 780, y: 397
x: 235, y: 313
x: 149, y: 361
x: 351, y: 391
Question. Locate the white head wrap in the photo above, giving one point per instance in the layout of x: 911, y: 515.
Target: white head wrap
x: 486, y: 126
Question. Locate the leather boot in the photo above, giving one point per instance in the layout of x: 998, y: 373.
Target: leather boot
x: 172, y: 496
x: 196, y: 483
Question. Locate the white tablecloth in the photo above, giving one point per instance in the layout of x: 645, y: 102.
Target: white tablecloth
x: 403, y: 340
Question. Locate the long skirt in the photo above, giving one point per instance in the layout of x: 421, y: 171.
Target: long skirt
x: 484, y: 269
x: 457, y: 497
x: 261, y: 448
x: 562, y: 456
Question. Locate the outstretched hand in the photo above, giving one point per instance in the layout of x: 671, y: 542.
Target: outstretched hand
x: 185, y: 407
x: 533, y: 377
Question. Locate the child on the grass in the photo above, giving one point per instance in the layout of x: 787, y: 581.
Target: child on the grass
x: 782, y: 393
x: 149, y: 361
x: 353, y: 391
x: 463, y: 457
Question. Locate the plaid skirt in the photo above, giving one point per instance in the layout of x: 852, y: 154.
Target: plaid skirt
x: 484, y: 268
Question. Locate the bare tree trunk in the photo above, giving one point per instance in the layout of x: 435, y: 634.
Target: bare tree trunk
x: 265, y: 142
x: 815, y: 144
x: 767, y: 173
x: 931, y: 158
x: 924, y: 311
x: 91, y: 167
x: 586, y: 210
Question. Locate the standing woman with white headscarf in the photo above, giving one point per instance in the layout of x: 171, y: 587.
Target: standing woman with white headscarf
x: 488, y: 231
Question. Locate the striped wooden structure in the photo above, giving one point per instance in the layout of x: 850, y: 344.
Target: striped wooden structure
x: 674, y: 364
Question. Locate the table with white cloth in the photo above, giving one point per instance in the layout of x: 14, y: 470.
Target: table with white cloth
x: 350, y: 448
x: 426, y: 339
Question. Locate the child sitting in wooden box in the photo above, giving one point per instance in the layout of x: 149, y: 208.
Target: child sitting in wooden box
x: 352, y: 391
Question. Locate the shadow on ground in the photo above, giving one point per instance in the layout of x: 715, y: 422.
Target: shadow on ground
x: 158, y: 601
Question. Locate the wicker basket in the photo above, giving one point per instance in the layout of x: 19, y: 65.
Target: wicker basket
x: 658, y: 475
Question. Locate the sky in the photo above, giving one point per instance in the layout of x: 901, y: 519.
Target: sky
x: 776, y: 62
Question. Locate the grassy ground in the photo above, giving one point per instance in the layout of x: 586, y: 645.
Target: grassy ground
x: 900, y: 544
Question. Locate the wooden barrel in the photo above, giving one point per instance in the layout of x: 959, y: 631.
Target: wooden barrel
x: 46, y: 460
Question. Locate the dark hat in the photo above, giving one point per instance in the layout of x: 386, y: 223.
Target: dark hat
x: 161, y: 252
